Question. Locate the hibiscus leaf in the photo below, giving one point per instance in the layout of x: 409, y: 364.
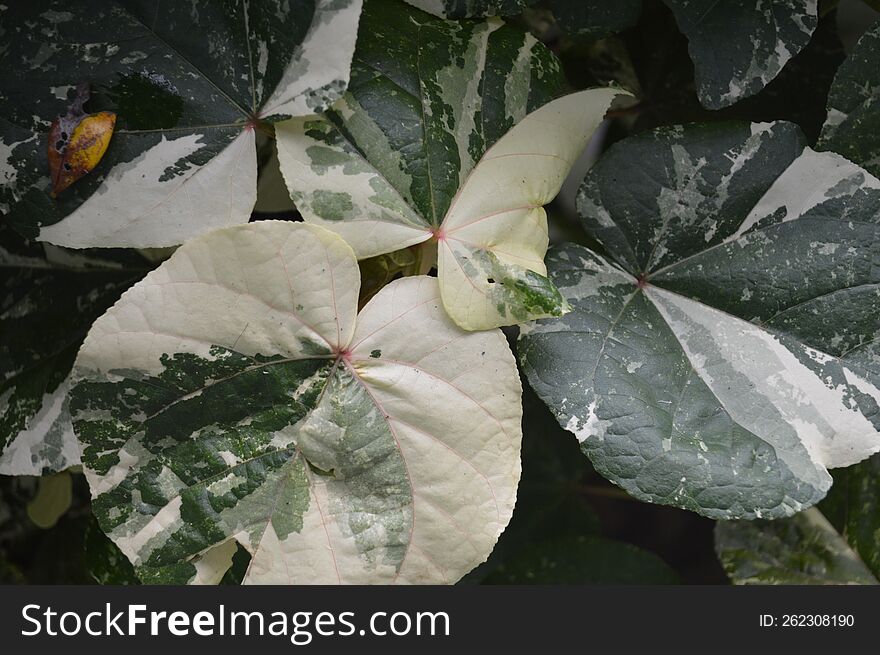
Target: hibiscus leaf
x: 738, y: 47
x: 427, y: 146
x: 698, y: 367
x: 850, y: 128
x: 838, y: 545
x: 186, y: 84
x: 48, y: 299
x: 236, y: 395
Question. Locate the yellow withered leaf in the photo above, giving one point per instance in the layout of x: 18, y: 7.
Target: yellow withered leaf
x: 71, y: 156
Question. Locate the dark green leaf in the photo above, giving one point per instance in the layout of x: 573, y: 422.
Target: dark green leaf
x: 48, y: 300
x: 738, y: 47
x: 698, y: 367
x: 186, y: 81
x: 853, y: 125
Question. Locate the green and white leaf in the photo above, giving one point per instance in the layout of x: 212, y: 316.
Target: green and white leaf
x: 840, y: 545
x: 438, y: 149
x: 185, y: 80
x: 804, y: 549
x: 427, y: 98
x: 854, y: 104
x: 235, y: 395
x: 457, y: 9
x: 105, y: 563
x: 698, y: 367
x: 494, y: 237
x: 48, y: 300
x: 739, y: 47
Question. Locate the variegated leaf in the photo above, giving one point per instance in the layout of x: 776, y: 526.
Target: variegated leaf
x: 186, y: 81
x: 804, y: 549
x: 47, y: 303
x: 738, y: 47
x: 698, y: 367
x: 854, y: 105
x: 840, y: 545
x: 492, y: 242
x: 235, y: 395
x: 382, y: 167
x: 411, y: 154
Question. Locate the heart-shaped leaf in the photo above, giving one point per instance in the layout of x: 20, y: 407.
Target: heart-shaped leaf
x: 48, y: 300
x: 850, y: 128
x: 416, y: 152
x: 236, y: 395
x: 186, y: 82
x: 803, y: 549
x: 738, y: 47
x: 698, y: 367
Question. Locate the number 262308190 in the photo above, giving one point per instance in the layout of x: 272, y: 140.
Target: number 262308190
x: 807, y: 621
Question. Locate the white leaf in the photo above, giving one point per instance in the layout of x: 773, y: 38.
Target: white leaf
x: 237, y: 388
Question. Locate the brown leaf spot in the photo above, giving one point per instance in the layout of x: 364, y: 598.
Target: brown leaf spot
x: 77, y: 141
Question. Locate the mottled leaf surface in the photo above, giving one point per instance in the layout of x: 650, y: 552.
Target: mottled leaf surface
x: 426, y: 100
x: 738, y: 47
x: 854, y: 105
x: 48, y: 300
x: 698, y: 367
x: 236, y: 395
x: 804, y: 549
x: 105, y: 563
x: 434, y: 142
x: 185, y: 80
x: 494, y: 237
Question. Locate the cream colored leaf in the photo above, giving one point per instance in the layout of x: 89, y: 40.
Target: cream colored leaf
x: 494, y: 237
x: 238, y: 390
